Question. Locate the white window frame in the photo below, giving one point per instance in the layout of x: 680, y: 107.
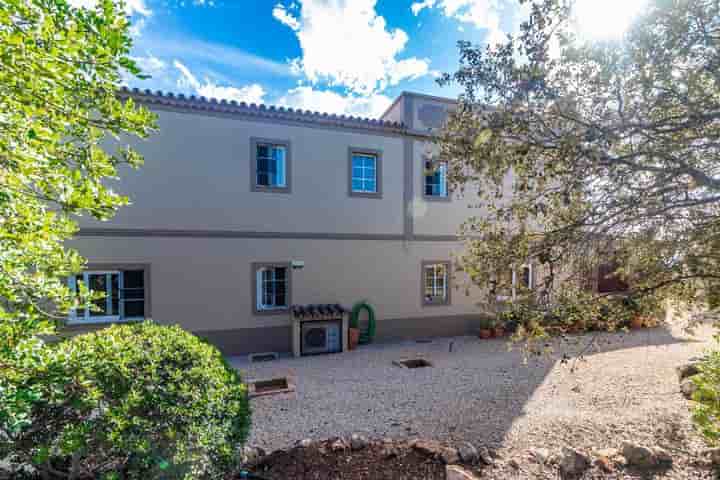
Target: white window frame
x: 86, y: 317
x: 271, y: 149
x: 272, y: 144
x: 443, y: 192
x: 516, y: 279
x: 432, y: 266
x: 260, y: 282
x: 363, y: 179
x: 74, y: 318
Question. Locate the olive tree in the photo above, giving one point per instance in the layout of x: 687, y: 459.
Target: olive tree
x: 60, y: 69
x: 591, y: 151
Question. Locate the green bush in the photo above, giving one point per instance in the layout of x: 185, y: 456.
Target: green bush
x: 129, y: 401
x: 706, y: 413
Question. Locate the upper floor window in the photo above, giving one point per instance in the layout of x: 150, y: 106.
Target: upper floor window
x: 124, y: 295
x: 436, y: 185
x: 272, y: 287
x: 365, y: 173
x: 270, y: 165
x: 436, y: 280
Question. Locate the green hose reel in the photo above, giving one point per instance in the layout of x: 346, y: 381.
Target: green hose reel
x: 366, y: 335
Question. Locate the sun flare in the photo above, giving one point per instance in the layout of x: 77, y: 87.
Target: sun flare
x: 606, y: 19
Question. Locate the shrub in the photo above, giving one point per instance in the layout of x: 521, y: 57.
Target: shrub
x: 129, y: 401
x: 706, y: 413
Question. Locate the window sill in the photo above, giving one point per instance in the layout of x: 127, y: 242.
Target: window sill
x: 104, y: 321
x: 439, y: 303
x: 260, y: 188
x: 271, y: 311
x: 437, y: 198
x: 366, y: 194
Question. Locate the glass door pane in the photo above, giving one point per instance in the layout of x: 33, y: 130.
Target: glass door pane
x: 109, y: 284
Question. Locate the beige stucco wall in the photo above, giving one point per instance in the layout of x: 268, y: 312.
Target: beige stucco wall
x: 197, y: 169
x: 205, y: 283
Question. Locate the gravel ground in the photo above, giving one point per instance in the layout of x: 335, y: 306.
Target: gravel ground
x: 624, y: 388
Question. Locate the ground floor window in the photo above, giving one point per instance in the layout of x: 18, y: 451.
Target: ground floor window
x: 272, y: 287
x: 519, y: 280
x: 124, y: 292
x: 436, y: 279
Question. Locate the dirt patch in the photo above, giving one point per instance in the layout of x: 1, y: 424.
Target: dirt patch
x: 333, y: 459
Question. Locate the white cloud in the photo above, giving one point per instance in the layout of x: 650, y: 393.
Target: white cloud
x: 131, y: 6
x: 150, y: 64
x: 418, y: 6
x: 281, y: 14
x: 495, y: 16
x: 307, y: 98
x: 253, y: 93
x: 346, y: 43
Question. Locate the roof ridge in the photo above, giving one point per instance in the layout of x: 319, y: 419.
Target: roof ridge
x: 261, y: 109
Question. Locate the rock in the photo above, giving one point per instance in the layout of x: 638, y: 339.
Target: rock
x: 573, y: 462
x: 251, y: 455
x: 687, y: 370
x: 662, y: 457
x: 358, y: 442
x: 456, y: 472
x: 605, y: 464
x: 427, y: 447
x: 645, y: 457
x: 449, y: 455
x: 305, y: 443
x: 688, y: 387
x: 485, y: 456
x: 338, y: 445
x: 514, y: 463
x: 714, y: 456
x: 435, y: 449
x: 609, y: 453
x: 637, y: 455
x: 540, y: 455
x: 389, y: 451
x: 468, y: 453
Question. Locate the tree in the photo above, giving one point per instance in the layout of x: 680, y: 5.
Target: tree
x: 60, y: 69
x: 613, y: 148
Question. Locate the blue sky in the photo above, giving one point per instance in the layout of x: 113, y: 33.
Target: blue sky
x: 338, y: 56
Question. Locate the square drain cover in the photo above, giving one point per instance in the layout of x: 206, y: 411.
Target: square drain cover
x: 413, y: 363
x: 270, y: 386
x: 263, y: 357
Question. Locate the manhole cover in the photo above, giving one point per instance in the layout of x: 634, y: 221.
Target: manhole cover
x: 270, y: 386
x: 413, y: 363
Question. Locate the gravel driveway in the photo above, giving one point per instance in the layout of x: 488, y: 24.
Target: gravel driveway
x: 624, y: 388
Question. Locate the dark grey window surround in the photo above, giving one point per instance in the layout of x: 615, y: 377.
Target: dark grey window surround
x: 254, y: 141
x: 448, y: 282
x: 253, y: 294
x: 378, y: 171
x: 432, y: 198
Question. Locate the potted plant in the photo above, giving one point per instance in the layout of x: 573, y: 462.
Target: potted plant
x: 499, y: 329
x: 637, y: 321
x: 353, y: 338
x: 486, y: 328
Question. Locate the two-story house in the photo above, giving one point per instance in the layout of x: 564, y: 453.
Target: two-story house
x: 233, y: 198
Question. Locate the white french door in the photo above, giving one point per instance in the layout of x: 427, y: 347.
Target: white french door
x: 107, y: 309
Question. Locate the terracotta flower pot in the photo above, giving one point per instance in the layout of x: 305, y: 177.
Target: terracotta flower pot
x: 636, y: 322
x: 499, y: 332
x: 485, y: 333
x: 353, y: 338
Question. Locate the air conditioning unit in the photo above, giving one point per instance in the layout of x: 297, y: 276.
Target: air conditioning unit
x: 321, y: 337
